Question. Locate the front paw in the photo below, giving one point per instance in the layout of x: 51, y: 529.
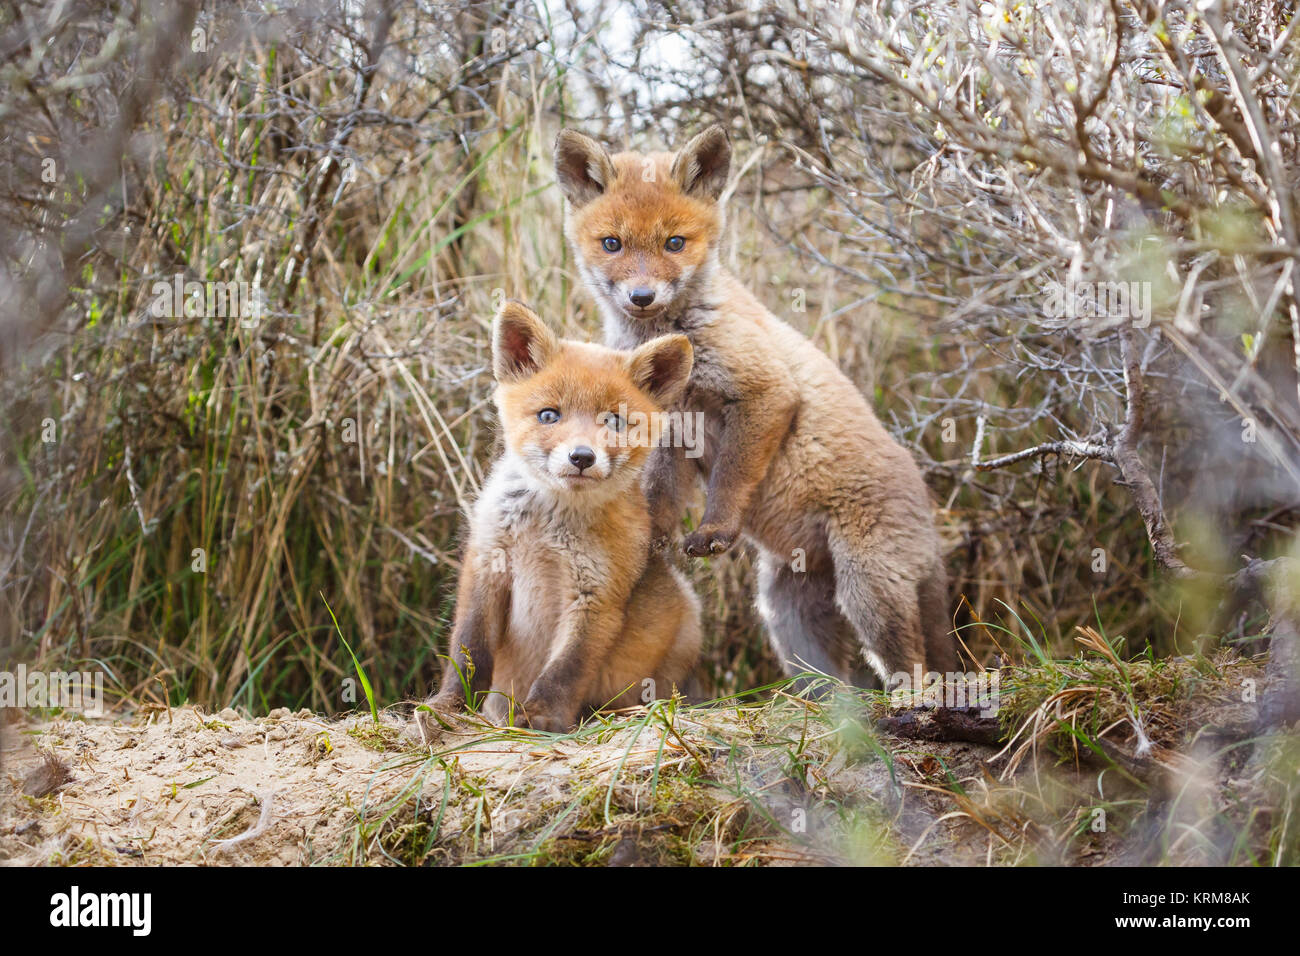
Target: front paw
x: 709, y: 539
x: 539, y: 714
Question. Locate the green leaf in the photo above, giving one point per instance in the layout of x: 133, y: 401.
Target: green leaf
x: 361, y: 671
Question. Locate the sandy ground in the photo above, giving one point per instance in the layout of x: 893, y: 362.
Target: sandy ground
x: 182, y: 787
x: 168, y: 786
x: 751, y: 784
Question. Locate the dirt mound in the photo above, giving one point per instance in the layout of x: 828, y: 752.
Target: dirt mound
x: 784, y: 780
x: 183, y: 787
x: 169, y: 786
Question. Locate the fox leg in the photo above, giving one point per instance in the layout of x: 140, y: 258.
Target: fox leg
x: 660, y: 643
x: 684, y: 649
x: 940, y: 644
x: 874, y: 590
x: 805, y: 627
x: 483, y: 595
x: 751, y: 432
x: 668, y: 480
x: 588, y: 631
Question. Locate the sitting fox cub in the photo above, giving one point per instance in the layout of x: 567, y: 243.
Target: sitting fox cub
x: 562, y: 605
x: 849, y: 565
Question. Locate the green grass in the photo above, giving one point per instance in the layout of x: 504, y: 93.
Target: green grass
x: 356, y: 664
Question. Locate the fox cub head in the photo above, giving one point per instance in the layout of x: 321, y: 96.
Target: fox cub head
x: 581, y: 416
x: 644, y: 228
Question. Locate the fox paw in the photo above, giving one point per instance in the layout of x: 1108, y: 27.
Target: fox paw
x: 552, y: 720
x: 708, y: 540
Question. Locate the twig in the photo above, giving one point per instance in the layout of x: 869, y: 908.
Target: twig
x: 1132, y: 468
x: 1076, y: 449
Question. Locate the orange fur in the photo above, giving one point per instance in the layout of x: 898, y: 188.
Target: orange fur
x: 850, y: 574
x: 562, y: 606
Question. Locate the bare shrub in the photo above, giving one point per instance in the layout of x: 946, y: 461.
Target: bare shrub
x: 912, y: 181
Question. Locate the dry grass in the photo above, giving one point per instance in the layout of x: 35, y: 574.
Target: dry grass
x: 329, y: 446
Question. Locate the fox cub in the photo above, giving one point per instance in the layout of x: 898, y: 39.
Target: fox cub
x: 850, y: 574
x: 562, y: 605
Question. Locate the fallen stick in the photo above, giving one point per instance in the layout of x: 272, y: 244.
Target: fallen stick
x: 952, y: 724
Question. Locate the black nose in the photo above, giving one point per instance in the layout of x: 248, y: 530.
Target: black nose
x: 642, y: 297
x: 582, y: 457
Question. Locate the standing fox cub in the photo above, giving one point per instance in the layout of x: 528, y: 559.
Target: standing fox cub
x: 849, y: 567
x: 562, y: 605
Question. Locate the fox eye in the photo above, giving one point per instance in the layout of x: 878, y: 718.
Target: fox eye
x: 548, y: 416
x: 611, y: 244
x: 613, y: 421
x: 675, y: 244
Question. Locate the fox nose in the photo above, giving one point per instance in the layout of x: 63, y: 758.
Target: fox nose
x: 582, y: 457
x: 642, y: 297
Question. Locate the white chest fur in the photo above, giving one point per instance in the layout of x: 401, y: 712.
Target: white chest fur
x: 555, y: 565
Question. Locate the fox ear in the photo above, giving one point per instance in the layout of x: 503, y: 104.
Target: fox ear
x: 521, y: 343
x: 701, y: 166
x: 582, y: 167
x: 661, y: 367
